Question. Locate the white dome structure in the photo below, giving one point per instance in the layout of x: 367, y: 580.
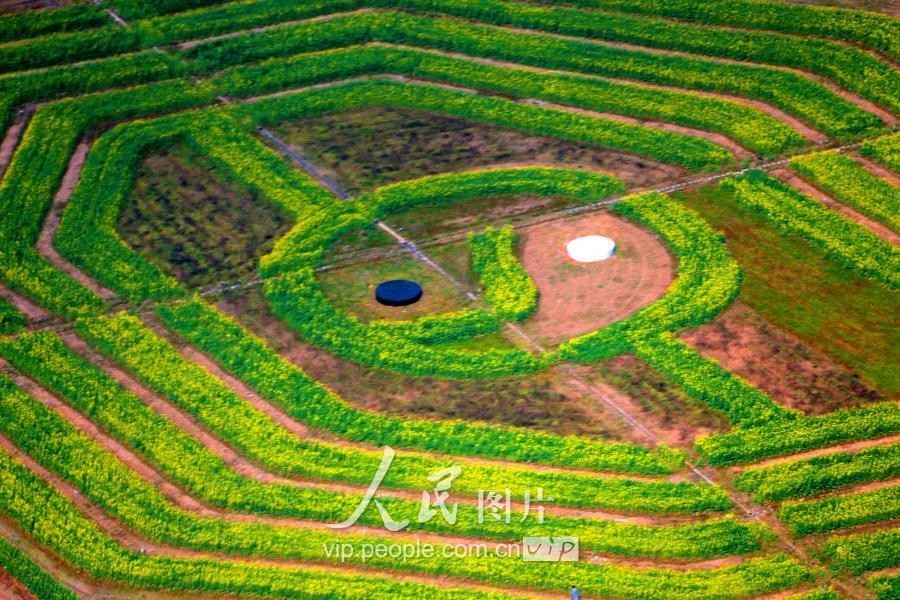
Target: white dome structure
x: 591, y: 248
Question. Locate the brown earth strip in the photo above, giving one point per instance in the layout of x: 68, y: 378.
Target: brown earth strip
x: 877, y: 169
x: 796, y: 181
x: 842, y: 448
x: 51, y: 224
x: 778, y: 363
x: 13, y: 136
x: 11, y: 588
x: 24, y: 305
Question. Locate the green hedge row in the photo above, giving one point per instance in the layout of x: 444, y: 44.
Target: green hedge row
x: 876, y: 30
x: 32, y: 23
x: 843, y: 240
x: 886, y: 587
x: 508, y: 288
x: 706, y: 381
x: 845, y: 64
x: 35, y: 172
x: 87, y: 234
x: 747, y: 125
x: 221, y: 410
x: 107, y: 483
x: 11, y: 320
x: 51, y: 520
x: 62, y: 48
x: 781, y: 438
x: 840, y: 512
x: 863, y: 552
x: 885, y: 150
x: 48, y: 84
x: 847, y: 181
x: 185, y: 461
x: 251, y: 360
x: 799, y: 478
x: 799, y: 96
x: 848, y: 66
x: 31, y: 575
x: 230, y: 17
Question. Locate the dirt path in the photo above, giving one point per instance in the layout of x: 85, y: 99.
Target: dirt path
x: 23, y: 305
x: 13, y: 136
x: 51, y: 224
x: 877, y: 169
x: 835, y: 449
x: 800, y: 184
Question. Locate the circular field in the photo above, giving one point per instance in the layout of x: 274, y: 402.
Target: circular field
x: 576, y: 298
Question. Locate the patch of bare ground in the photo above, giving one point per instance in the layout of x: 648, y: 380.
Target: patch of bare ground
x: 541, y: 401
x: 577, y: 298
x: 796, y: 181
x: 660, y: 405
x: 197, y: 222
x: 364, y: 149
x: 779, y: 363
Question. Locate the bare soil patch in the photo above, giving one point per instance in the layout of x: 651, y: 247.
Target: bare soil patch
x: 577, y: 298
x: 11, y: 139
x: 195, y: 221
x: 779, y: 363
x: 364, y: 149
x: 659, y: 404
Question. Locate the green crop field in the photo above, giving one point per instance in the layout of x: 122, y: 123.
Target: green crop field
x: 645, y: 345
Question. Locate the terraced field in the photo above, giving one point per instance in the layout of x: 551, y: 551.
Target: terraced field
x: 200, y: 398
